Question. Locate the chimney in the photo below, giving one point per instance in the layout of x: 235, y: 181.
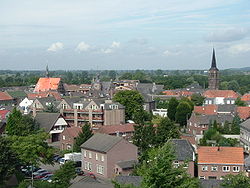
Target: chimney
x: 218, y: 148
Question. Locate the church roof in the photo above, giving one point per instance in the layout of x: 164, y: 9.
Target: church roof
x: 213, y: 65
x: 47, y: 84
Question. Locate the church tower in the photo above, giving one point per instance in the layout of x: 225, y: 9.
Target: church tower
x: 47, y: 72
x: 213, y: 75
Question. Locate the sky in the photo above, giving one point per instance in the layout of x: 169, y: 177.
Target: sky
x: 123, y: 34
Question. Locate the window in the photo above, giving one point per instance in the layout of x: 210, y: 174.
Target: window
x: 236, y: 169
x: 96, y: 157
x: 212, y: 177
x: 225, y: 168
x: 176, y: 164
x: 64, y: 106
x: 84, y: 153
x: 90, y: 155
x: 204, y: 168
x: 202, y: 177
x: 85, y: 165
x: 102, y: 158
x: 63, y: 137
x: 214, y: 168
x: 100, y: 169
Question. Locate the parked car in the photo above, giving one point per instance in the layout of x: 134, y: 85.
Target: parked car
x: 79, y: 172
x: 61, y: 161
x: 38, y: 172
x: 47, y: 177
x: 41, y: 175
x: 56, y: 158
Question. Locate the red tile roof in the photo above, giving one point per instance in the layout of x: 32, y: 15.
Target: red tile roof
x: 177, y: 93
x: 4, y: 96
x: 46, y: 84
x: 246, y: 97
x: 73, y: 131
x: 55, y: 94
x: 243, y: 112
x: 112, y: 129
x: 206, y: 110
x: 220, y: 155
x: 3, y: 114
x: 220, y: 93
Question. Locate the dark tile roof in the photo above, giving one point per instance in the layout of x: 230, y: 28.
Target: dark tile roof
x: 221, y: 118
x: 246, y: 124
x: 134, y: 180
x: 72, y: 100
x: 101, y: 142
x: 183, y: 149
x: 226, y: 108
x: 17, y: 94
x: 210, y: 183
x: 149, y: 88
x: 130, y: 164
x: 46, y: 100
x: 46, y: 120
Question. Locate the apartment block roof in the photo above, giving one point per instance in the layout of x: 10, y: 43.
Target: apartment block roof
x: 220, y: 155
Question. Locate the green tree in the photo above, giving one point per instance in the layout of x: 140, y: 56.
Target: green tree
x: 197, y: 99
x: 63, y: 176
x: 236, y: 181
x: 235, y: 129
x: 166, y: 130
x: 20, y: 125
x: 239, y: 102
x: 83, y: 136
x: 172, y: 107
x: 133, y: 102
x: 233, y: 85
x: 8, y: 161
x: 32, y: 149
x: 183, y: 112
x: 158, y: 170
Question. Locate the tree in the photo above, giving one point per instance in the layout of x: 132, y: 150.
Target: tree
x: 239, y: 102
x: 144, y: 138
x: 8, y: 161
x: 197, y: 99
x: 172, y: 106
x: 20, y: 125
x: 183, y: 112
x: 32, y: 149
x: 64, y: 174
x: 83, y: 136
x: 158, y: 170
x: 235, y: 129
x: 233, y: 85
x: 236, y: 181
x: 166, y: 130
x: 133, y: 102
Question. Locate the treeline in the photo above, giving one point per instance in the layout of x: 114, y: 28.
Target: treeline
x: 170, y: 79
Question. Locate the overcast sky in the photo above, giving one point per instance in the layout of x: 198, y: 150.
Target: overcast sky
x: 123, y: 34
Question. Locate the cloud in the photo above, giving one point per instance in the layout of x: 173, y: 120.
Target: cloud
x: 115, y: 44
x: 170, y: 53
x: 227, y: 35
x: 107, y: 51
x: 82, y: 46
x: 112, y: 48
x: 239, y: 48
x: 55, y: 47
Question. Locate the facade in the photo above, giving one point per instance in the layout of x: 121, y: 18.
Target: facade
x: 52, y: 123
x: 160, y: 112
x: 216, y: 162
x: 67, y: 137
x: 79, y: 111
x: 213, y: 75
x: 245, y: 134
x: 185, y: 155
x: 102, y: 152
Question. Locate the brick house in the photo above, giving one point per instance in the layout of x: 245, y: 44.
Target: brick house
x: 102, y: 152
x: 185, y: 153
x: 52, y: 123
x: 216, y: 162
x: 67, y: 137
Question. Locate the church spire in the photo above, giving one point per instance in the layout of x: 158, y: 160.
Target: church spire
x: 47, y: 71
x: 213, y: 65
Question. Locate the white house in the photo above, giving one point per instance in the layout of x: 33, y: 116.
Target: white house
x: 25, y: 105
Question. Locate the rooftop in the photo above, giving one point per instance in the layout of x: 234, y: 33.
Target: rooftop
x: 220, y: 93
